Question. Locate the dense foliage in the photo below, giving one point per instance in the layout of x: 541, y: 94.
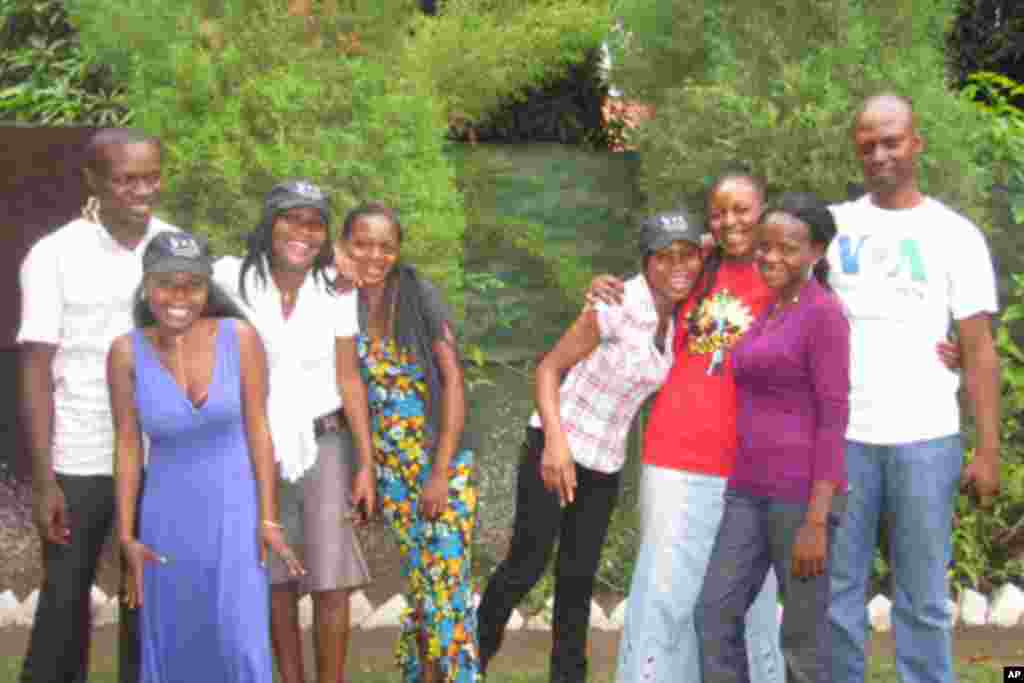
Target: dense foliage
x: 44, y: 76
x: 986, y: 36
x: 244, y: 94
x: 489, y: 58
x: 774, y: 86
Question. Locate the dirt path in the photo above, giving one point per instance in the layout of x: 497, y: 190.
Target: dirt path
x: 528, y: 650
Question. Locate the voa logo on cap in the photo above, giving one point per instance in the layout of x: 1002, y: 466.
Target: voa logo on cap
x: 184, y: 246
x: 308, y: 190
x: 675, y: 222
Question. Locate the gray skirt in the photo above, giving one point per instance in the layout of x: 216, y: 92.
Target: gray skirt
x: 315, y: 512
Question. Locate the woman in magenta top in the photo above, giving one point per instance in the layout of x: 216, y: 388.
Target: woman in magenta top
x: 788, y: 484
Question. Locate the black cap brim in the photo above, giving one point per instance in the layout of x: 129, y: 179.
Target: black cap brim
x: 178, y: 264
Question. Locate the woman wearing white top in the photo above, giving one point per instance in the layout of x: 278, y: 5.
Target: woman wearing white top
x: 615, y: 356
x: 309, y: 333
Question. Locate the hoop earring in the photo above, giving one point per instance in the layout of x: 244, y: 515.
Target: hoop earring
x: 91, y: 210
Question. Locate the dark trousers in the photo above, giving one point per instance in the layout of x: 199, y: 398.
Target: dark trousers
x: 755, y: 534
x: 580, y: 529
x: 58, y: 648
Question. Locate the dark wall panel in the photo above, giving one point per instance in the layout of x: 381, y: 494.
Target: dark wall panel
x: 40, y: 189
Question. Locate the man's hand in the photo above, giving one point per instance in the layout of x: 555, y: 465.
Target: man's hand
x: 50, y: 512
x: 981, y: 476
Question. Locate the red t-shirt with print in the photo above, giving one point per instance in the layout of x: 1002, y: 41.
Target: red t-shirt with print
x: 692, y: 425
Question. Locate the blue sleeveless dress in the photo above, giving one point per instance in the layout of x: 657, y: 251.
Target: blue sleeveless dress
x: 205, y: 612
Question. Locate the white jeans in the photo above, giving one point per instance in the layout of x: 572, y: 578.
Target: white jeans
x: 679, y: 516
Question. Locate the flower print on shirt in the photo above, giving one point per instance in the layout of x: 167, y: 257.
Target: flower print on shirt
x: 715, y: 327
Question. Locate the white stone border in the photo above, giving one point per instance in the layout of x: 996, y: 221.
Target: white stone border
x: 1005, y: 609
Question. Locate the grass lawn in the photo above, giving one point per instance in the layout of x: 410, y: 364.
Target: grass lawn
x: 881, y: 672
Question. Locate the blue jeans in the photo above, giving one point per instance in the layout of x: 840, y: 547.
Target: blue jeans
x: 680, y: 514
x: 914, y: 485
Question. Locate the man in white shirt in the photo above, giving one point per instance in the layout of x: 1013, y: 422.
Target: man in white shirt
x: 907, y: 267
x: 77, y: 285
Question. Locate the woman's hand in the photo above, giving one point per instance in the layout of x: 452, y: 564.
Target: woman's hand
x: 809, y: 550
x: 949, y: 354
x: 136, y: 555
x: 272, y: 538
x: 558, y: 470
x: 364, y: 491
x: 435, y: 495
x: 348, y: 273
x: 606, y: 289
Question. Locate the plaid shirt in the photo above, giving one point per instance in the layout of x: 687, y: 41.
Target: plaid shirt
x: 602, y: 393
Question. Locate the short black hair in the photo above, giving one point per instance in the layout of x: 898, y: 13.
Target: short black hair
x: 96, y: 160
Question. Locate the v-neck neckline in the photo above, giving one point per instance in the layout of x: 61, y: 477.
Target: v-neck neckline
x: 166, y: 372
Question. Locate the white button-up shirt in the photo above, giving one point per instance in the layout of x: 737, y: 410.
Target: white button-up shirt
x: 602, y: 393
x: 77, y: 287
x: 300, y: 356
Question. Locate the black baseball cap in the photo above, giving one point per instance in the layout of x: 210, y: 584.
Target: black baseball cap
x: 660, y: 230
x: 177, y: 252
x: 295, y: 194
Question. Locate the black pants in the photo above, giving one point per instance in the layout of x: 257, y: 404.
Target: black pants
x: 58, y: 648
x: 580, y: 529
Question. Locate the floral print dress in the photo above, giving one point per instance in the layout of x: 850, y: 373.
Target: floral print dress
x: 441, y: 618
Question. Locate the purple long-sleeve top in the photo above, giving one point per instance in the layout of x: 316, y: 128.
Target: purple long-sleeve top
x: 792, y: 391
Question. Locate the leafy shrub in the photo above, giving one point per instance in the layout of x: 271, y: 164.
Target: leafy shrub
x: 45, y: 78
x: 776, y: 89
x: 244, y: 94
x: 988, y: 545
x: 481, y: 54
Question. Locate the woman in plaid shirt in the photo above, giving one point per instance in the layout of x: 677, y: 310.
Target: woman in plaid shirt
x: 615, y: 356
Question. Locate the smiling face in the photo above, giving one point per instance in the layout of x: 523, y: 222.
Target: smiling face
x: 126, y: 179
x: 297, y: 239
x: 887, y: 146
x: 374, y: 244
x: 176, y: 300
x: 734, y: 207
x: 785, y: 252
x: 671, y: 272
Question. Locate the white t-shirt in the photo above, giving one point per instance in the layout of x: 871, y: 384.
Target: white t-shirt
x: 904, y: 276
x: 77, y: 287
x: 300, y: 356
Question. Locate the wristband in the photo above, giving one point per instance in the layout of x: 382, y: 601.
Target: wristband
x: 272, y: 524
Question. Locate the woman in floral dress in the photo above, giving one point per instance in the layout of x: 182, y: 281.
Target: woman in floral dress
x: 417, y: 407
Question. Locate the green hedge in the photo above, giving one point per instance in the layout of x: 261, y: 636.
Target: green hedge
x: 243, y: 94
x: 45, y: 78
x: 776, y: 88
x: 481, y: 54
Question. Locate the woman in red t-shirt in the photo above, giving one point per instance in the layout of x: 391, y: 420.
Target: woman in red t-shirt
x: 689, y: 447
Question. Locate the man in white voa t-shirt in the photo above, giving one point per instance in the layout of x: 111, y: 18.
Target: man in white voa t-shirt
x: 908, y: 268
x: 77, y: 285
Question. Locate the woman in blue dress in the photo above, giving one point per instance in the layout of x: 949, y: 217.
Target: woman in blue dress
x: 194, y: 381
